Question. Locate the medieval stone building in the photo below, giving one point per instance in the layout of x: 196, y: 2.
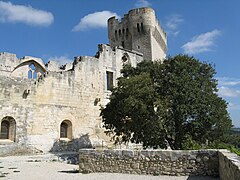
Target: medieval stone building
x: 50, y: 108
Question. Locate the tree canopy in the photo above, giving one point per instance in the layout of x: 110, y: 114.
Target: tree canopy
x: 171, y: 103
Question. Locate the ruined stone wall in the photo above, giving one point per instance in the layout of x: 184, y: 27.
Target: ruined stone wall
x: 155, y: 162
x: 7, y: 63
x: 39, y: 106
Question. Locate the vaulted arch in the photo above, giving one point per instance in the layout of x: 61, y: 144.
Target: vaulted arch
x: 8, y: 128
x: 66, y: 129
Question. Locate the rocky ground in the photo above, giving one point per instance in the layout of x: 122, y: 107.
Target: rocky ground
x: 46, y: 167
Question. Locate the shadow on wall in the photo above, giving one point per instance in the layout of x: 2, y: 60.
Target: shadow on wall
x: 73, y: 145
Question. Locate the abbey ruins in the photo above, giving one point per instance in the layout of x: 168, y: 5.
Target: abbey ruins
x: 46, y: 107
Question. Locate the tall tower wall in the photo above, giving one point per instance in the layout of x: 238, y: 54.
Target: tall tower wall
x: 139, y: 30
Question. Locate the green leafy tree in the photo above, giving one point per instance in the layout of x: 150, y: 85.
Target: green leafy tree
x: 171, y: 103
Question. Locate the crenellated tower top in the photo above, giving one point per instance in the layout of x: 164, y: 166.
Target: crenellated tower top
x: 139, y: 30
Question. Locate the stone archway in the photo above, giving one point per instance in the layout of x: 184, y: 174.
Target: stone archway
x: 8, y: 128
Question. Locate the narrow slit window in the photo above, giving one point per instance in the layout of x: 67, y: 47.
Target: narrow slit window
x: 116, y: 37
x: 109, y: 77
x: 123, y: 45
x: 138, y: 27
x: 142, y: 28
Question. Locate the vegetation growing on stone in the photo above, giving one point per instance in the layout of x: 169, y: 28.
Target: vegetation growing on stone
x: 172, y: 103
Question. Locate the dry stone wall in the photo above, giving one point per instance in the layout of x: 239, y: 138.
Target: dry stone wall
x: 155, y: 162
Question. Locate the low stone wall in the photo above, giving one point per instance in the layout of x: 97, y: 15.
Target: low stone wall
x: 155, y: 162
x: 229, y: 165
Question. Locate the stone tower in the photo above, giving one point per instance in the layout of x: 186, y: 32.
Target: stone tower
x: 139, y: 30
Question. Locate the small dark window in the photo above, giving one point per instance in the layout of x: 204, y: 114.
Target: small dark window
x: 127, y: 33
x: 123, y: 31
x: 119, y: 32
x: 123, y: 45
x: 64, y: 130
x: 116, y: 37
x: 142, y: 29
x: 109, y: 77
x: 5, y: 126
x: 138, y: 27
x: 8, y: 128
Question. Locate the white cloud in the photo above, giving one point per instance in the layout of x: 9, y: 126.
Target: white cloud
x: 172, y: 25
x: 61, y: 59
x: 228, y: 92
x: 232, y: 106
x: 226, y: 81
x: 201, y: 43
x: 24, y: 14
x: 142, y: 3
x: 94, y: 20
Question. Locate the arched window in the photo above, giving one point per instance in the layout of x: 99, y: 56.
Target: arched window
x: 5, y: 125
x: 66, y: 129
x: 8, y: 128
x: 32, y: 74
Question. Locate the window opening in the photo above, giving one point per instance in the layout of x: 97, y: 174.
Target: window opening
x: 32, y: 73
x: 142, y: 29
x: 116, y: 35
x: 123, y: 44
x: 66, y: 129
x: 8, y: 128
x: 5, y: 126
x: 138, y: 27
x: 109, y: 76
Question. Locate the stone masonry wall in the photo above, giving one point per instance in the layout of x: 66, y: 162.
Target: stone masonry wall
x: 39, y: 106
x: 155, y: 162
x: 229, y: 165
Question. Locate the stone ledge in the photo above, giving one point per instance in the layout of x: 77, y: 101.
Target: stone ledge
x: 229, y: 165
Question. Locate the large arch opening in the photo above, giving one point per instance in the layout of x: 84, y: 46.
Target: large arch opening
x: 8, y: 128
x: 66, y: 129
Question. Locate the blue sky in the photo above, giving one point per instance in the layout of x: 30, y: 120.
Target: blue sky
x: 62, y: 29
